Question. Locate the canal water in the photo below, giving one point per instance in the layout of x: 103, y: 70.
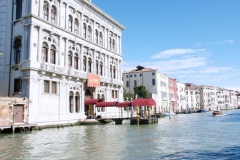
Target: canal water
x: 185, y: 136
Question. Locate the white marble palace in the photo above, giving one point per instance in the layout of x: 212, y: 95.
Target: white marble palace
x: 59, y: 54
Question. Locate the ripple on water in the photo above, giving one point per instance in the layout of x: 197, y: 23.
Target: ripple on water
x: 189, y: 136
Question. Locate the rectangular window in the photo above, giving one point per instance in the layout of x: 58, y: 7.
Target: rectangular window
x: 135, y: 75
x: 153, y: 73
x: 140, y: 75
x: 127, y: 76
x: 127, y: 83
x: 130, y: 75
x: 116, y: 95
x: 18, y: 9
x: 17, y: 85
x: 46, y: 86
x: 54, y: 87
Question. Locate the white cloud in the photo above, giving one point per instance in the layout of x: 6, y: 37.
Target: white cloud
x: 230, y: 41
x: 175, y: 52
x: 215, y: 69
x: 177, y: 64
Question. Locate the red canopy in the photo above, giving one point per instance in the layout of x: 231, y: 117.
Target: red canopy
x: 123, y: 104
x: 144, y: 102
x: 91, y: 101
x: 106, y: 104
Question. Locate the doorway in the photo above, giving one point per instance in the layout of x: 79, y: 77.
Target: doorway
x: 18, y: 111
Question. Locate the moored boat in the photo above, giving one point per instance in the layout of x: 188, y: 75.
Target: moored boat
x: 202, y: 110
x: 169, y: 113
x: 217, y: 113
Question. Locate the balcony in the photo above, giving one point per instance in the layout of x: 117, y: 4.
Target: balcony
x: 52, y: 68
x: 172, y: 99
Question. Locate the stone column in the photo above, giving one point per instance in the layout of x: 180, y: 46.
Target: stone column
x: 40, y: 38
x: 94, y: 62
x: 40, y: 8
x: 81, y: 26
x: 60, y: 14
x: 66, y: 53
x: 120, y: 45
x: 66, y: 17
x: 60, y: 51
x: 81, y: 57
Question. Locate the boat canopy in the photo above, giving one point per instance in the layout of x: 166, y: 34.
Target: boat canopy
x: 124, y: 104
x: 106, y: 104
x: 144, y: 102
x: 91, y: 101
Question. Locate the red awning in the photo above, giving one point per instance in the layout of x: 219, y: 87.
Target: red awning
x: 91, y: 101
x: 106, y: 104
x: 144, y: 102
x: 124, y: 104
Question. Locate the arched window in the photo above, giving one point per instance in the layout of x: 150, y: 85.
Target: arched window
x: 17, y: 53
x: 53, y: 54
x: 89, y: 33
x: 53, y: 14
x: 69, y: 59
x: 110, y: 43
x: 76, y: 24
x: 111, y: 72
x: 135, y: 83
x: 76, y: 61
x: 114, y: 72
x: 77, y: 109
x: 44, y: 52
x: 84, y: 64
x: 84, y: 30
x: 96, y: 37
x: 71, y: 102
x: 101, y: 69
x: 113, y: 44
x: 70, y: 23
x: 97, y: 67
x: 89, y: 65
x: 153, y: 82
x: 100, y: 39
x: 45, y: 10
x: 18, y: 9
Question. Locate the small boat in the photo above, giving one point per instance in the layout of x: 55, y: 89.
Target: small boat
x: 202, y: 110
x: 169, y: 113
x: 217, y: 113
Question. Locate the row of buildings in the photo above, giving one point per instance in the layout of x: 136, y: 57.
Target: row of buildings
x: 170, y: 94
x: 58, y: 58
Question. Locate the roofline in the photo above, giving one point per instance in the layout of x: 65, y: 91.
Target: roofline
x: 103, y: 14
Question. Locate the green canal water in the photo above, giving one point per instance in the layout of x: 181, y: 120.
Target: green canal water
x: 186, y: 136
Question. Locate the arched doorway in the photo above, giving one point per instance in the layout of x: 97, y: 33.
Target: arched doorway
x: 88, y: 109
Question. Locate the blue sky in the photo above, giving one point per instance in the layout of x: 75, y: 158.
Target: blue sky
x: 194, y: 41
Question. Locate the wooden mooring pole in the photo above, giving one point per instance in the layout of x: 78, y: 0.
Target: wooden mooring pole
x: 13, y: 124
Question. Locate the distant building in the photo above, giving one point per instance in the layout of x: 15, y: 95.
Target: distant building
x: 173, y: 98
x: 192, y: 96
x: 155, y: 82
x: 208, y: 98
x: 58, y: 54
x: 182, y: 105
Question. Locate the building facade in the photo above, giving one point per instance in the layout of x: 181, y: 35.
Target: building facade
x: 192, y: 97
x: 173, y: 98
x: 59, y: 53
x: 155, y: 82
x: 181, y: 97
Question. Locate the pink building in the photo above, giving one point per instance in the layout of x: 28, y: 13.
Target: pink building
x: 172, y: 84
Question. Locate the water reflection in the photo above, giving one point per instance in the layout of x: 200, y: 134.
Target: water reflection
x: 189, y: 136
